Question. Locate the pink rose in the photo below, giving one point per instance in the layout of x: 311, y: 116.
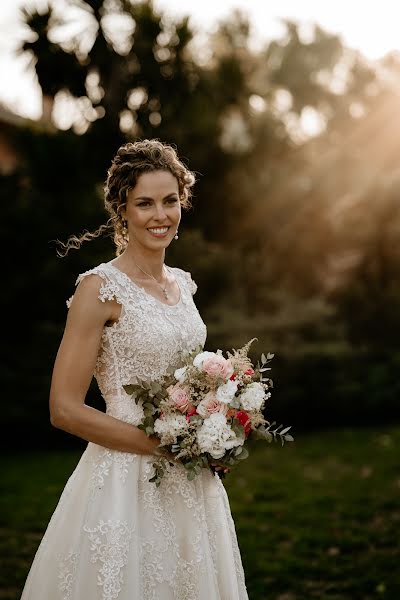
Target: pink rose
x: 180, y: 397
x: 249, y: 371
x: 218, y: 366
x: 209, y: 405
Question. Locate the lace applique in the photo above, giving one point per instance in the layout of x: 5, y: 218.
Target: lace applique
x: 105, y: 461
x: 187, y: 563
x: 125, y: 409
x: 66, y: 573
x: 110, y: 546
x: 183, y: 579
x: 192, y: 284
x: 108, y: 290
x: 235, y: 545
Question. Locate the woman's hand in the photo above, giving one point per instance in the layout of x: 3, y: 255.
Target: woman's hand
x: 157, y: 450
x: 222, y: 470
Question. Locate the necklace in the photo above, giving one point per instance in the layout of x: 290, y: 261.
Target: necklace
x: 164, y: 289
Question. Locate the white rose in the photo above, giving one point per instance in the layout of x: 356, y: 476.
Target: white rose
x: 215, y: 436
x: 226, y: 392
x: 253, y: 396
x: 170, y: 427
x: 200, y: 358
x: 180, y: 374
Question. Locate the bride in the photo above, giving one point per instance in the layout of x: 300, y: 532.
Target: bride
x: 113, y: 534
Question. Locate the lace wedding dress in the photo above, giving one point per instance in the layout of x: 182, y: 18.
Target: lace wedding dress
x: 113, y: 534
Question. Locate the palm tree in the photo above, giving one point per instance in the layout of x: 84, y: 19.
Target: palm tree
x: 56, y: 69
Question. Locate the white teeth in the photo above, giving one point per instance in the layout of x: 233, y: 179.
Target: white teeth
x: 158, y: 229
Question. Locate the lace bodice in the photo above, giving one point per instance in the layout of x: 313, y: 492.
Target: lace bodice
x: 146, y: 340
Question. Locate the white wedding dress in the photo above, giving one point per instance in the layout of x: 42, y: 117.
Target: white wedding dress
x: 113, y: 534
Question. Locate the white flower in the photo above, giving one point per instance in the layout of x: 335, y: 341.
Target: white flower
x: 201, y: 357
x: 180, y: 374
x: 226, y: 392
x: 253, y: 396
x: 215, y: 436
x: 170, y: 427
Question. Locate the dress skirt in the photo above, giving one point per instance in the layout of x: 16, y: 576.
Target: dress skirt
x: 115, y: 535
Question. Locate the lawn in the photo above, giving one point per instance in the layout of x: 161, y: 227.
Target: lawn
x: 316, y: 519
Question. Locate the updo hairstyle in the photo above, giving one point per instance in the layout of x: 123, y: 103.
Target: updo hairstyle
x: 132, y: 160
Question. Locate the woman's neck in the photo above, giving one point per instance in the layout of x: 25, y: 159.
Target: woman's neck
x: 150, y: 261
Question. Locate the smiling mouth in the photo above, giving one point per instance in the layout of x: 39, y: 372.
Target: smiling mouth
x: 158, y: 231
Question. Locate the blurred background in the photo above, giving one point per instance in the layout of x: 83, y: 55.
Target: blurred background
x: 289, y: 115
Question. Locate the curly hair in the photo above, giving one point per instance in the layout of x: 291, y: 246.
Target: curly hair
x: 131, y: 160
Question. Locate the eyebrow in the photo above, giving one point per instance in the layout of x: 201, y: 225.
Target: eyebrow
x: 165, y: 197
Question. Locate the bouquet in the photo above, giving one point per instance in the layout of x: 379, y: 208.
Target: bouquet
x: 205, y: 411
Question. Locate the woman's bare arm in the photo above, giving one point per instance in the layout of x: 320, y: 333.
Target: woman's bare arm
x: 73, y: 371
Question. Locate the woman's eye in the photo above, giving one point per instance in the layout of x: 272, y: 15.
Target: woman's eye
x: 172, y: 200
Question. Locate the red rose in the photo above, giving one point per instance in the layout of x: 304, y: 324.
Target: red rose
x: 191, y: 412
x: 249, y: 371
x: 233, y: 376
x: 244, y: 420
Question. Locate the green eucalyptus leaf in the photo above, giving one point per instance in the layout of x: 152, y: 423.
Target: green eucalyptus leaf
x: 196, y: 419
x: 130, y: 389
x: 285, y: 430
x: 244, y: 454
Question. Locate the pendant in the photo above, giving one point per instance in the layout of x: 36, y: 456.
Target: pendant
x: 165, y: 294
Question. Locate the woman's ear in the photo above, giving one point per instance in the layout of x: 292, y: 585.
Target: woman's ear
x: 122, y: 211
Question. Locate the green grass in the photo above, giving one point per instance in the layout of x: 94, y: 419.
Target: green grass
x: 316, y: 519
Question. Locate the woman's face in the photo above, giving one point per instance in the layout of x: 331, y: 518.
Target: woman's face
x: 153, y: 209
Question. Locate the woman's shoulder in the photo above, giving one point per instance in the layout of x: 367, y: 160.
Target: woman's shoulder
x: 186, y: 276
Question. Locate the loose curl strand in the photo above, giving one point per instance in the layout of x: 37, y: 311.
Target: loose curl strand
x: 132, y: 160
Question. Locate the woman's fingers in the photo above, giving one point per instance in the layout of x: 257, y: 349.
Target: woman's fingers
x: 220, y: 469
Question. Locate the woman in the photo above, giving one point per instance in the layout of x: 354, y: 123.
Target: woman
x: 114, y: 534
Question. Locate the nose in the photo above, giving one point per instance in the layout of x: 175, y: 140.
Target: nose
x: 160, y: 213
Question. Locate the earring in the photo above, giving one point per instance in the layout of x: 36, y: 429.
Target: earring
x: 124, y: 229
x: 176, y: 235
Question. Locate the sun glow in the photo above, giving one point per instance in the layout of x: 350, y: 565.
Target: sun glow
x: 371, y: 27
